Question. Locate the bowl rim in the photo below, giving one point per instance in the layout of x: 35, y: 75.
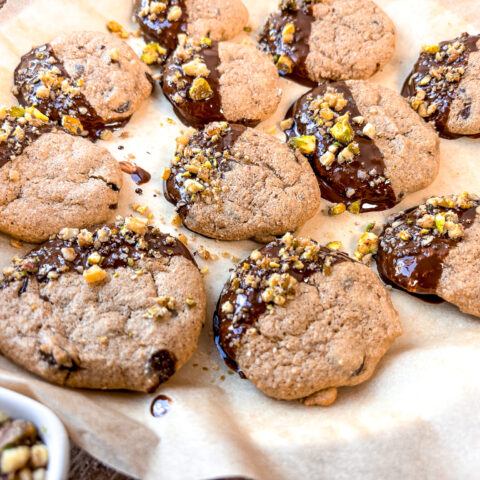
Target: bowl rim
x: 49, y: 427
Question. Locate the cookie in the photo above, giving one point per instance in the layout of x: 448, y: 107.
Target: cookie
x: 299, y: 320
x: 330, y: 39
x: 210, y: 81
x: 88, y: 81
x: 432, y: 250
x: 232, y: 182
x: 444, y: 86
x: 365, y: 144
x: 119, y: 307
x: 49, y: 178
x: 163, y: 21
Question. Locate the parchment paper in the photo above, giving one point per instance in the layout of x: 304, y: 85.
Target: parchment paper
x: 418, y: 417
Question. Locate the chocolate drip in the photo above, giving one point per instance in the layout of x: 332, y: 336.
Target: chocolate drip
x: 271, y: 41
x: 440, y: 91
x: 115, y: 252
x: 14, y: 147
x: 249, y: 306
x: 58, y: 104
x: 216, y: 149
x: 160, y: 29
x: 160, y: 405
x: 365, y: 174
x: 138, y: 174
x: 416, y: 265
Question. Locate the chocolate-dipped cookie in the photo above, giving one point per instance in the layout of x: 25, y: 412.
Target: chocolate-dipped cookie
x: 49, y: 178
x: 365, y: 144
x: 119, y: 307
x: 299, y: 320
x: 444, y: 86
x: 210, y: 81
x: 434, y: 250
x: 88, y: 81
x: 163, y: 21
x: 311, y: 41
x: 232, y: 182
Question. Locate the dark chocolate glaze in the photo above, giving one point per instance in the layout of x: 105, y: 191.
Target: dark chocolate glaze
x: 367, y: 166
x: 25, y: 79
x: 440, y: 91
x: 138, y: 174
x: 13, y: 148
x: 410, y: 265
x: 191, y: 112
x: 162, y: 363
x: 162, y: 30
x: 297, y: 51
x: 174, y: 189
x: 249, y: 306
x: 196, y: 113
x: 160, y: 405
x: 115, y: 253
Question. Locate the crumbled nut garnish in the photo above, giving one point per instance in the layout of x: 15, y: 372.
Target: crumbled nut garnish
x: 174, y: 14
x: 176, y: 220
x: 190, y: 302
x: 117, y: 29
x: 69, y: 254
x: 153, y: 53
x: 72, y: 124
x: 306, y: 144
x: 355, y: 207
x: 368, y: 243
x: 337, y: 209
x: 136, y: 224
x: 196, y: 67
x: 14, y: 175
x: 336, y: 245
x: 284, y: 64
x: 94, y: 274
x: 200, y: 90
x: 288, y: 33
x: 286, y: 124
x: 85, y: 238
x: 114, y: 54
x: 183, y: 239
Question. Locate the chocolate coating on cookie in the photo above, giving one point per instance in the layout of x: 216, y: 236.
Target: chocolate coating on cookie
x: 19, y: 129
x: 286, y: 36
x: 162, y: 22
x: 196, y: 99
x: 117, y: 307
x: 210, y: 81
x: 216, y: 144
x: 232, y: 183
x: 349, y: 166
x: 75, y: 80
x: 263, y: 280
x: 436, y: 83
x: 311, y: 41
x: 415, y: 244
x: 116, y: 250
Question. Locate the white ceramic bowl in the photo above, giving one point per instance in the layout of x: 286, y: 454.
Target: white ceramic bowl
x: 50, y: 430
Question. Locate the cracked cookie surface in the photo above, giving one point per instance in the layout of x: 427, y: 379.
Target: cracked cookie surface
x: 330, y: 39
x: 120, y: 307
x: 231, y: 182
x: 50, y: 179
x: 88, y: 81
x: 299, y: 320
